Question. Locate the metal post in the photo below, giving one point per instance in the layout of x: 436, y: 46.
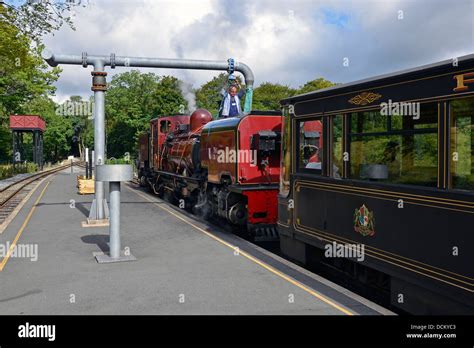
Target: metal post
x: 99, y: 210
x: 114, y: 219
x: 92, y: 162
x: 34, y: 148
x: 41, y: 150
x: 14, y: 149
x: 114, y: 174
x: 99, y: 144
x: 87, y: 162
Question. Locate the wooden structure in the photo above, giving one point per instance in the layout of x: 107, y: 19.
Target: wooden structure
x: 19, y: 124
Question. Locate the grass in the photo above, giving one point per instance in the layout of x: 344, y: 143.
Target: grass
x: 7, y: 170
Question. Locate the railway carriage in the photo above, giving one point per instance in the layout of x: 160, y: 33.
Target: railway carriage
x: 393, y: 178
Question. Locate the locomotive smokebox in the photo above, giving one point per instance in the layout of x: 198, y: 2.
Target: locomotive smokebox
x: 199, y: 118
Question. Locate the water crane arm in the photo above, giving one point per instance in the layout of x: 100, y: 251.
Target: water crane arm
x: 100, y: 61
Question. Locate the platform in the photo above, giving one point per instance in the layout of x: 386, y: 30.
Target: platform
x: 183, y: 265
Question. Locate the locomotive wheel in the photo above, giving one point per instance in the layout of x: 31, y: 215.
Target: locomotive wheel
x: 160, y: 192
x: 170, y: 196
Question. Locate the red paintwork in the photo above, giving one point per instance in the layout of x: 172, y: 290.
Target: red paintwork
x: 315, y: 126
x: 177, y: 154
x: 254, y: 174
x: 212, y: 144
x: 143, y: 149
x: 27, y: 122
x: 199, y: 118
x: 262, y: 201
x: 245, y: 169
x: 159, y: 129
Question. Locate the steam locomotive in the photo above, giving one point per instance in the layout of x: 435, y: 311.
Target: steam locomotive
x: 227, y: 169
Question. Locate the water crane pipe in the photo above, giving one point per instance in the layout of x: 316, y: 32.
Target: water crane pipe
x: 99, y: 62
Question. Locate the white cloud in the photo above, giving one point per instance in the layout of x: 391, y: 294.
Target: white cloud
x: 288, y: 42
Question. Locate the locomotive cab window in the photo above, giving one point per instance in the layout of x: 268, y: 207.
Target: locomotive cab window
x: 311, y: 145
x: 165, y: 126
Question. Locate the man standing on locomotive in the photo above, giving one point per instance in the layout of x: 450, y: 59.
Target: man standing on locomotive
x: 230, y: 106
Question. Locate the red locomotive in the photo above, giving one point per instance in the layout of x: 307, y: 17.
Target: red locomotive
x: 227, y: 168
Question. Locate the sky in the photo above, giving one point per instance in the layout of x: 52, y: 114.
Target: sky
x: 288, y: 42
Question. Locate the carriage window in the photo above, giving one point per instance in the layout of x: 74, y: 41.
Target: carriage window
x: 401, y: 149
x: 311, y: 145
x: 285, y: 167
x: 462, y: 144
x: 336, y: 147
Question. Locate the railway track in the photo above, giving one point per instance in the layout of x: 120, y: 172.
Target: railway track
x: 13, y: 194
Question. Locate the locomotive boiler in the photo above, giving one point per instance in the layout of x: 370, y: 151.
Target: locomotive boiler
x: 227, y: 168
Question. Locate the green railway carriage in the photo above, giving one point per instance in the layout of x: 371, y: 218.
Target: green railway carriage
x: 394, y: 179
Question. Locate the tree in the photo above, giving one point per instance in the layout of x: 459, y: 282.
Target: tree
x: 80, y: 112
x: 35, y: 18
x: 23, y: 73
x: 23, y: 77
x: 133, y: 99
x: 59, y: 128
x: 314, y: 85
x: 267, y: 96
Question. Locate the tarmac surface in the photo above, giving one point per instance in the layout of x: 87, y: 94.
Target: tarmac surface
x: 183, y: 266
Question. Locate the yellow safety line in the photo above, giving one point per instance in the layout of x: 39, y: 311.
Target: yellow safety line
x: 20, y: 231
x: 251, y: 258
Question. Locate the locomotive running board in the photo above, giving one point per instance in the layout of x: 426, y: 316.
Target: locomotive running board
x: 178, y: 176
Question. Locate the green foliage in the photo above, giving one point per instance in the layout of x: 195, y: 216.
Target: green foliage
x: 133, y: 98
x: 7, y: 170
x: 267, y: 96
x: 23, y: 78
x: 314, y: 85
x: 118, y: 161
x: 79, y: 112
x: 23, y: 73
x: 59, y: 129
x: 26, y: 81
x: 34, y: 19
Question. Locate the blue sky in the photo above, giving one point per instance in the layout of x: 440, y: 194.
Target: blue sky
x: 283, y: 41
x: 337, y: 18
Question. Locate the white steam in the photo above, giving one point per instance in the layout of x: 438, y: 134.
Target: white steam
x: 188, y: 94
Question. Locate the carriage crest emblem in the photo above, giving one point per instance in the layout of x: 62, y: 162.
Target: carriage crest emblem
x: 364, y: 221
